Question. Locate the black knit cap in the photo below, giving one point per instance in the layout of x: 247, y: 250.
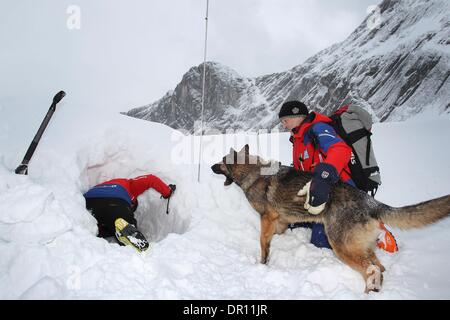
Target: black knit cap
x: 291, y: 109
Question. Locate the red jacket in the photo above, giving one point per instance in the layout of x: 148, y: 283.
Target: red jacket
x: 128, y: 189
x: 139, y: 185
x: 330, y: 148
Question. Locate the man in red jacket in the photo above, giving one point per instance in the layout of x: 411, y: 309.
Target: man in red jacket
x: 114, y: 202
x: 318, y: 149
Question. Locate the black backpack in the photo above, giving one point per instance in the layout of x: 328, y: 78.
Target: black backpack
x: 353, y: 124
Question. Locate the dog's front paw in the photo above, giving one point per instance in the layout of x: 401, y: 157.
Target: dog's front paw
x: 265, y: 257
x: 374, y: 279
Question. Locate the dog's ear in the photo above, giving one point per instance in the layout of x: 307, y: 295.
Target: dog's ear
x: 243, y: 155
x: 231, y: 158
x: 247, y: 149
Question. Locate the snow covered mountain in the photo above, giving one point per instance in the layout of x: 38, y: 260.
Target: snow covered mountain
x: 396, y: 64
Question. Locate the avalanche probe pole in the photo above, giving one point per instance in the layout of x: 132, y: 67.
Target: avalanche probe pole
x: 203, y: 91
x: 23, y: 167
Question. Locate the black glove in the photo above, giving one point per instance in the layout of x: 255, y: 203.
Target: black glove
x: 172, y: 188
x: 324, y: 177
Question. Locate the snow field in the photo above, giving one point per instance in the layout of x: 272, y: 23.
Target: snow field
x: 207, y: 247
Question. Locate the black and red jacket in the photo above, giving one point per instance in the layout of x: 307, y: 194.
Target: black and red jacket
x: 315, y: 141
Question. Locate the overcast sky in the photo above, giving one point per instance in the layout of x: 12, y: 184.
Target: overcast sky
x: 129, y: 53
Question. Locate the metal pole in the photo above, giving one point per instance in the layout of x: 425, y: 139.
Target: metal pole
x: 203, y: 90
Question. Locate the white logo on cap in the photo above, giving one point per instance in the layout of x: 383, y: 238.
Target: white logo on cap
x: 295, y: 110
x: 325, y: 174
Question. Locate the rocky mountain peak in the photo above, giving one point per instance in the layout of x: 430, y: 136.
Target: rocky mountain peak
x: 396, y: 64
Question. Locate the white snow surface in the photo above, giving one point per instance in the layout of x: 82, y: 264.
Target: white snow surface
x: 207, y: 247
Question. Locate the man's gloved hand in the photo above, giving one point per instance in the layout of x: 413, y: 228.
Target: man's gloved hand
x: 305, y: 191
x: 317, y: 191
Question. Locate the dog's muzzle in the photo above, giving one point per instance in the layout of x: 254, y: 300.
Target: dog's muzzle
x: 216, y: 169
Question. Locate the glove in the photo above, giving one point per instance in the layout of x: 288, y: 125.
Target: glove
x: 172, y: 188
x: 317, y: 191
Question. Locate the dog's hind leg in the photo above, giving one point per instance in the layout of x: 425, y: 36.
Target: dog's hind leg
x: 360, y: 260
x: 269, y: 221
x: 375, y: 260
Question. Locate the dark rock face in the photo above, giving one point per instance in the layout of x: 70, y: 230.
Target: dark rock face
x: 395, y: 68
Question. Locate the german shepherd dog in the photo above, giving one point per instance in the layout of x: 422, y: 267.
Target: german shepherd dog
x: 351, y: 217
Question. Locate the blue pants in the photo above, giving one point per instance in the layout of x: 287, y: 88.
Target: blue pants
x: 318, y: 236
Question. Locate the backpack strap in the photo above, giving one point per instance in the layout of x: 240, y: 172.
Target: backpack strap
x: 369, y: 142
x: 314, y: 142
x: 359, y: 134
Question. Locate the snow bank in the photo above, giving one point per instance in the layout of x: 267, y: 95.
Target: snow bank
x: 207, y: 247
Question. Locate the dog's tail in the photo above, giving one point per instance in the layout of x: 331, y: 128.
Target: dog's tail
x: 418, y: 215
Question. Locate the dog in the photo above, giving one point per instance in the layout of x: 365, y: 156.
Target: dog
x: 351, y: 217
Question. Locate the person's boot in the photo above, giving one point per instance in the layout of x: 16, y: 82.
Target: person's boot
x: 129, y: 235
x: 386, y: 240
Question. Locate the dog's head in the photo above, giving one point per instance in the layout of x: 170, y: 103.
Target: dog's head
x: 233, y: 164
x: 236, y: 166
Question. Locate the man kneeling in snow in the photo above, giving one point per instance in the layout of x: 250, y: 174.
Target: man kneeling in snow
x: 114, y: 202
